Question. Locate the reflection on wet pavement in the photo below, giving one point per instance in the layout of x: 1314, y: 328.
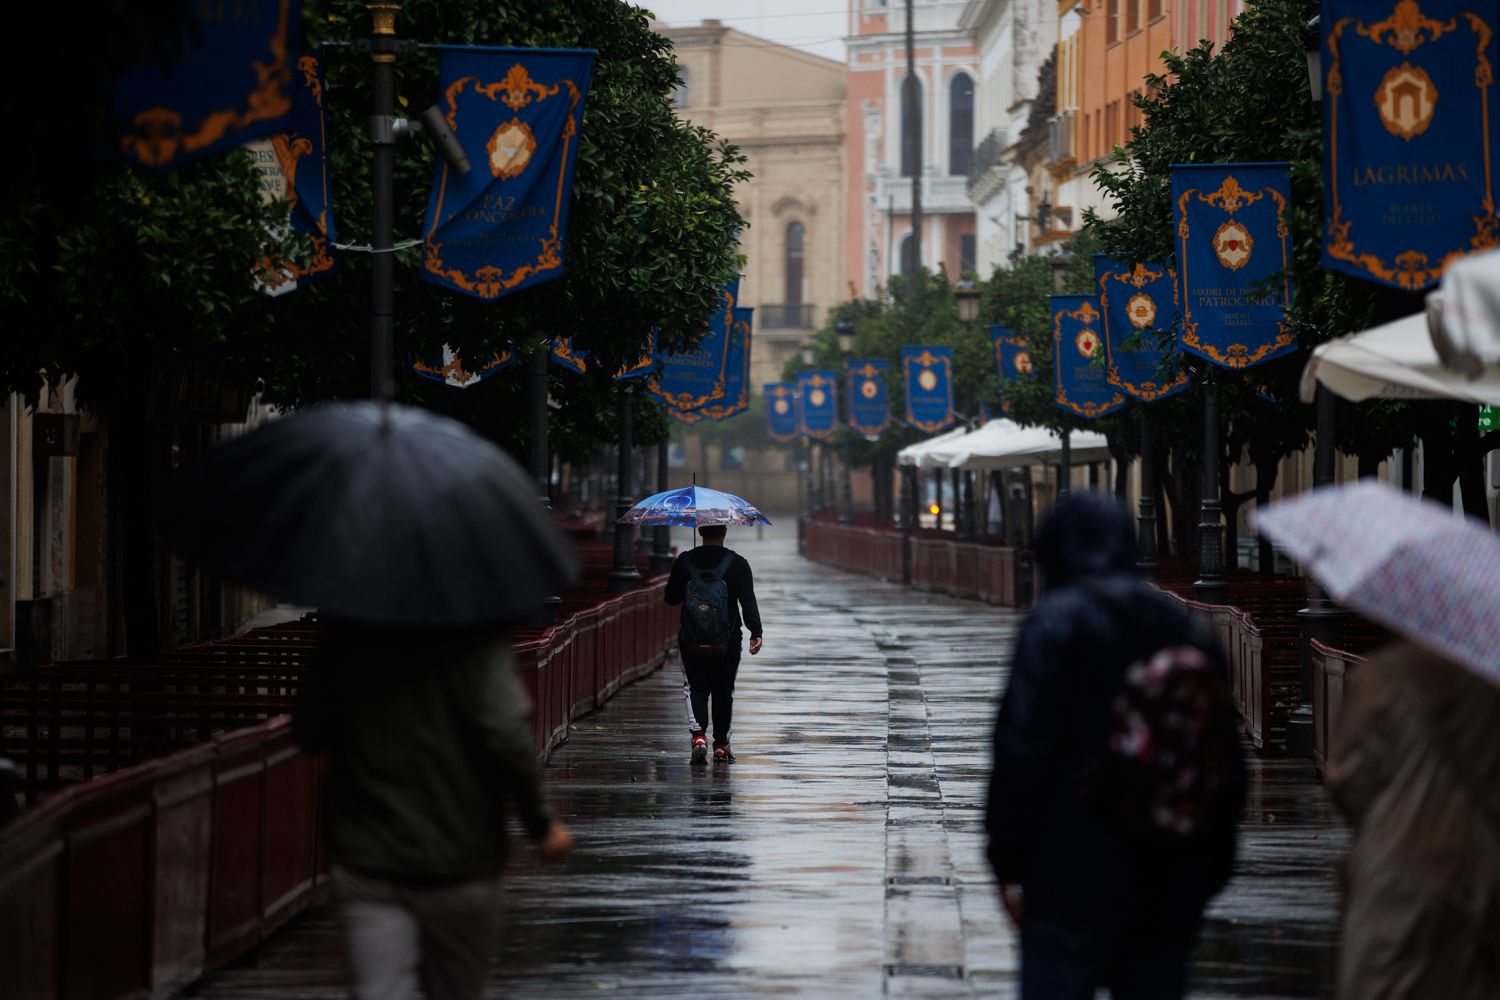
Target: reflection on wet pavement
x: 842, y: 856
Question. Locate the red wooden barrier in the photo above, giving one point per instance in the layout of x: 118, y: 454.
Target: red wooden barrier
x: 136, y: 883
x: 938, y: 564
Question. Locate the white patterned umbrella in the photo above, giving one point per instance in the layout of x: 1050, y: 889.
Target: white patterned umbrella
x: 1412, y: 565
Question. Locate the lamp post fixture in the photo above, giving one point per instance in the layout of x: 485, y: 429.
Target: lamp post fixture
x: 623, y: 576
x: 1322, y: 619
x: 1059, y: 264
x: 661, y: 535
x: 808, y: 351
x: 967, y: 294
x: 845, y: 331
x: 1210, y: 587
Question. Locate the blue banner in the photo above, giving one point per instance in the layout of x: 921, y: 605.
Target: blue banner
x: 869, y: 404
x: 818, y: 392
x: 927, y: 375
x: 1140, y: 310
x: 232, y: 82
x: 1411, y: 136
x: 500, y: 227
x: 294, y: 167
x: 1234, y: 250
x: 578, y: 362
x: 450, y: 369
x: 689, y: 381
x: 736, y: 398
x: 1012, y: 360
x: 1078, y: 358
x: 783, y: 422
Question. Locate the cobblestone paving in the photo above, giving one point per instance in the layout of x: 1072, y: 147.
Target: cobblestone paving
x: 843, y: 855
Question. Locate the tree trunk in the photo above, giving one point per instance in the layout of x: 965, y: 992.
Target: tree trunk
x: 1266, y: 471
x: 1470, y: 463
x: 1369, y: 465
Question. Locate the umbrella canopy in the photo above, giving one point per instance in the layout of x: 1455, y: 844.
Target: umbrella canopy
x: 1466, y: 316
x: 692, y: 506
x: 1004, y: 444
x: 1394, y: 361
x: 379, y: 513
x: 912, y: 453
x: 1412, y: 565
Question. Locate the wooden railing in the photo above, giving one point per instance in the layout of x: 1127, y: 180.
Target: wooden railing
x: 943, y: 565
x: 135, y: 883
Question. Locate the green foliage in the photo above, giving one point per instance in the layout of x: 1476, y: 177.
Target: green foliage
x: 1246, y: 103
x: 131, y: 279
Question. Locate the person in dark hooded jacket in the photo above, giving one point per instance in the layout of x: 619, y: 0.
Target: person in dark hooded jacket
x: 1095, y: 908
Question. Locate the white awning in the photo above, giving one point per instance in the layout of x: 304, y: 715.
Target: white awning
x: 1394, y: 361
x: 912, y: 453
x: 1465, y: 311
x: 1004, y: 444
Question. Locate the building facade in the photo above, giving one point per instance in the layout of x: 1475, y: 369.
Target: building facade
x: 880, y: 163
x: 785, y: 110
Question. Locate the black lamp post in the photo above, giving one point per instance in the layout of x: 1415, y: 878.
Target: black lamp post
x: 808, y: 350
x: 623, y: 576
x: 1322, y: 619
x: 1059, y: 263
x: 1210, y: 587
x: 661, y: 535
x: 967, y: 295
x: 1146, y: 518
x: 845, y: 331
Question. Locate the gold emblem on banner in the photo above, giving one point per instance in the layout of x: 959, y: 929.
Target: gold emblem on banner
x: 928, y: 380
x: 1142, y: 311
x: 1022, y: 362
x: 817, y: 397
x: 1087, y: 342
x: 1232, y: 245
x: 782, y: 407
x: 869, y: 389
x: 510, y: 149
x: 1406, y: 100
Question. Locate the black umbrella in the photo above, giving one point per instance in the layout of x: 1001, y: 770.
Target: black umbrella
x: 381, y: 513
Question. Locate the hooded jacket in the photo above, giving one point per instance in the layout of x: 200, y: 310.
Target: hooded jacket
x: 1068, y: 666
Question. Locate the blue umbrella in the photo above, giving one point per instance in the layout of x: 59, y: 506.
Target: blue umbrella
x: 691, y: 506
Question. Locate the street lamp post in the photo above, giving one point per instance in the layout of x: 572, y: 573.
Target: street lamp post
x: 541, y: 462
x: 967, y: 295
x: 845, y: 330
x: 623, y: 576
x: 661, y: 535
x: 1146, y: 535
x: 1210, y: 587
x: 1059, y: 264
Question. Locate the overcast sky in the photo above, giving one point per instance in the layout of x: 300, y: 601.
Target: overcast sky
x: 815, y: 26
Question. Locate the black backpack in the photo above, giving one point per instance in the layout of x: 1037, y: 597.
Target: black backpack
x: 708, y: 628
x: 1166, y: 770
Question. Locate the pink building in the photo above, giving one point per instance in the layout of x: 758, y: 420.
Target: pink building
x: 878, y: 236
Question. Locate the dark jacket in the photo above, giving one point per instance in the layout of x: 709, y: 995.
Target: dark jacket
x: 738, y: 580
x: 1069, y: 664
x: 429, y: 740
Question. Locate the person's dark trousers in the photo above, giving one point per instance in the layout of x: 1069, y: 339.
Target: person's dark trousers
x: 712, y: 678
x: 1062, y: 962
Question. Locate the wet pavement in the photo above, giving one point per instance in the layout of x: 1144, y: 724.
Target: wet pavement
x: 842, y: 856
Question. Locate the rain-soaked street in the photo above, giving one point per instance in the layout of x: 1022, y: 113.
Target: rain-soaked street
x: 842, y: 856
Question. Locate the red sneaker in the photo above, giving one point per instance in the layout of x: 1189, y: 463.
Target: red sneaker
x: 700, y: 749
x: 722, y: 754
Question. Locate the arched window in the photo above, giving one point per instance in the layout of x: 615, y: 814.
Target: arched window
x: 680, y: 94
x: 911, y: 138
x: 908, y: 256
x: 960, y: 124
x: 796, y: 237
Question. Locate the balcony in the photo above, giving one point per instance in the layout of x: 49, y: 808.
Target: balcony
x: 1060, y: 149
x: 939, y: 195
x: 783, y: 316
x: 987, y: 154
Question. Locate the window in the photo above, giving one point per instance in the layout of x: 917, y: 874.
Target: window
x: 908, y: 256
x: 1153, y: 9
x: 968, y: 261
x: 960, y: 124
x: 796, y: 235
x: 1111, y: 21
x: 1132, y: 16
x: 680, y: 94
x: 911, y: 138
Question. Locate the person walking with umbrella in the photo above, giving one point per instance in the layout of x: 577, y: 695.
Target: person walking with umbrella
x: 1414, y: 766
x: 418, y: 541
x: 715, y: 588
